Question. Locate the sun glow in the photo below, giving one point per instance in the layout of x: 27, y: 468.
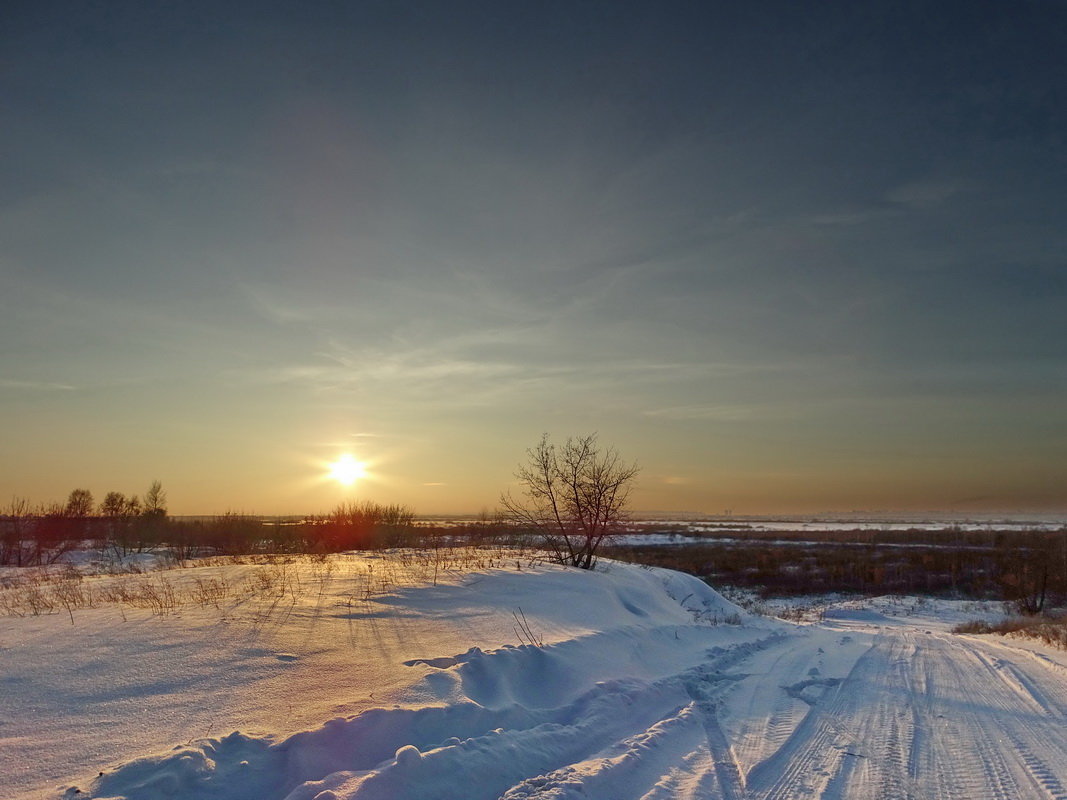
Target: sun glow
x: 346, y: 470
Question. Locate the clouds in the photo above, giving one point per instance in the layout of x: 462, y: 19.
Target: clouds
x: 35, y: 386
x: 675, y: 220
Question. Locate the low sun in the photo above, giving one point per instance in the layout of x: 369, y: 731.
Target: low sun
x: 346, y: 470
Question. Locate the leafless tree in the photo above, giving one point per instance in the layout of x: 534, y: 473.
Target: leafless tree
x: 1029, y: 564
x: 16, y: 523
x: 574, y: 496
x: 79, y: 503
x: 113, y: 505
x: 119, y: 514
x: 155, y: 501
x: 55, y: 533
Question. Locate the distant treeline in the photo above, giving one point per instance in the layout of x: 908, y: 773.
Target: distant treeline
x: 123, y: 525
x: 1026, y: 567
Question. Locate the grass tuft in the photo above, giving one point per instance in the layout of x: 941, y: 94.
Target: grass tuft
x: 1051, y: 629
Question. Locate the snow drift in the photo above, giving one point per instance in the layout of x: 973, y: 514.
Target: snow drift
x: 384, y: 676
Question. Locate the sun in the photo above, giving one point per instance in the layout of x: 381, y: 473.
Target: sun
x: 346, y: 470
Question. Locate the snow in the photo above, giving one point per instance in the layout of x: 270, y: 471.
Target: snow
x: 489, y: 675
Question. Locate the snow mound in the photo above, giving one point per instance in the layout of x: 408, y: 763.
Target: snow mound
x: 609, y: 660
x: 353, y: 680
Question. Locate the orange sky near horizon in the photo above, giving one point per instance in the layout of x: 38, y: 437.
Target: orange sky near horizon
x: 789, y: 257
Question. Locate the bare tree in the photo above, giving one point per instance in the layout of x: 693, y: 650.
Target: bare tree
x: 113, y: 505
x: 1029, y: 562
x: 155, y: 501
x: 55, y: 533
x: 16, y: 523
x: 574, y: 496
x: 150, y: 527
x: 119, y: 514
x: 79, y: 503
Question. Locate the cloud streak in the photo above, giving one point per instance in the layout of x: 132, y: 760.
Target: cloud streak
x: 35, y: 386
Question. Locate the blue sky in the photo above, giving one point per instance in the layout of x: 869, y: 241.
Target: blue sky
x: 787, y: 256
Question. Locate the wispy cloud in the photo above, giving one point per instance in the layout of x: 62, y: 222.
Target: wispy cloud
x: 445, y: 375
x: 721, y: 413
x: 674, y: 480
x: 922, y: 195
x: 35, y: 386
x: 909, y: 197
x: 855, y: 216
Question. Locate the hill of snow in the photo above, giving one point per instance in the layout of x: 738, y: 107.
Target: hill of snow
x: 483, y: 675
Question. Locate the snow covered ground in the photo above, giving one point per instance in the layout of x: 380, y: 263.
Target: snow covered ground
x: 486, y: 675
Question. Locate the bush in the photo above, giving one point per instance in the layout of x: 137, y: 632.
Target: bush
x: 1050, y: 629
x: 573, y: 497
x: 361, y: 526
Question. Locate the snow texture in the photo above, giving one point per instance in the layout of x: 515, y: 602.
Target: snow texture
x: 648, y: 685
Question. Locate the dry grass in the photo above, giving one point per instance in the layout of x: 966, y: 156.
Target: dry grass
x: 265, y: 583
x: 1051, y: 629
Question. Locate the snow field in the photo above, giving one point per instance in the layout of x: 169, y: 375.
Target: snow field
x: 378, y: 677
x: 324, y: 640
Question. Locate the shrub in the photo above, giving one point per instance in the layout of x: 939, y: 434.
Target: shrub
x: 1051, y: 629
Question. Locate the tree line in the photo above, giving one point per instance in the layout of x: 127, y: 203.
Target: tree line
x: 1027, y: 568
x: 571, y: 498
x: 34, y: 535
x: 126, y: 524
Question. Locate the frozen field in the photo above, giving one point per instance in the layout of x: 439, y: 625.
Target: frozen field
x: 473, y: 675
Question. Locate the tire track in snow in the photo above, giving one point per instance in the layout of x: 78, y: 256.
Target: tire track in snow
x: 1038, y: 769
x: 638, y: 761
x: 649, y: 758
x: 917, y: 717
x: 858, y: 734
x: 815, y: 748
x: 648, y: 761
x: 1027, y: 730
x: 990, y: 709
x: 927, y: 750
x: 731, y: 783
x: 691, y: 778
x: 1042, y: 678
x: 1048, y: 704
x: 980, y: 766
x: 772, y: 712
x: 997, y: 668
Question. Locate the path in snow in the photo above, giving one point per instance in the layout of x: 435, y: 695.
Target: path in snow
x: 928, y: 716
x: 919, y: 715
x: 916, y: 715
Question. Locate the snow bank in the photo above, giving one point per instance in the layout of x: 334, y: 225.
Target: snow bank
x: 373, y: 677
x: 356, y: 679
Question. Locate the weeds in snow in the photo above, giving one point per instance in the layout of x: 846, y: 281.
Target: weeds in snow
x: 264, y: 581
x: 1051, y: 629
x: 525, y: 632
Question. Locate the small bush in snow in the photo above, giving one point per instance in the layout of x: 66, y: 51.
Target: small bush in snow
x: 1051, y: 629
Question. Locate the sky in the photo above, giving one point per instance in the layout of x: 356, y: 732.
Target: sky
x: 788, y: 257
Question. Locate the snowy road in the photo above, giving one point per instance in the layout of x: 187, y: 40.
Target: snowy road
x: 919, y: 715
x: 927, y: 716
